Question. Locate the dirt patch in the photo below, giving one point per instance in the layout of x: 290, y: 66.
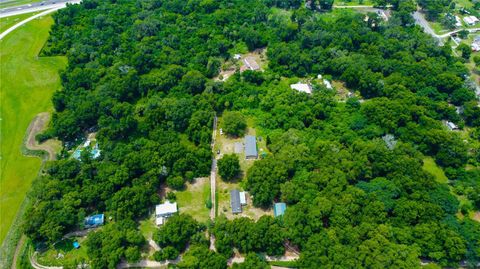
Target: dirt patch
x: 476, y: 216
x: 38, y: 125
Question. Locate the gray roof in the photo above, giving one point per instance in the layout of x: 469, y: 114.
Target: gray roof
x: 235, y: 201
x: 251, y: 146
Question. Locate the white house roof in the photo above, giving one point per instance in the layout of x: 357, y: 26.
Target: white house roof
x: 166, y: 208
x: 451, y: 125
x: 243, y: 199
x: 159, y: 220
x: 301, y: 87
x: 470, y: 19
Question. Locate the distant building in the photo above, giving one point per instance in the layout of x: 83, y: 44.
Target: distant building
x: 470, y: 20
x: 251, y: 147
x: 164, y: 211
x: 251, y: 63
x: 452, y: 126
x: 94, y: 221
x: 327, y: 84
x: 279, y: 209
x: 235, y: 201
x: 458, y: 23
x: 237, y: 56
x: 243, y: 198
x: 302, y: 87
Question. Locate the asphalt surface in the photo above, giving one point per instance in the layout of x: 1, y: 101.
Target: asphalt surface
x: 44, y: 5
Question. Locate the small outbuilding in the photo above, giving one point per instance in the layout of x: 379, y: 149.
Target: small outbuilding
x: 452, y: 126
x: 243, y: 198
x: 302, y: 87
x: 251, y: 147
x: 94, y: 221
x: 470, y: 20
x: 279, y: 209
x: 235, y: 201
x: 251, y: 63
x: 164, y: 211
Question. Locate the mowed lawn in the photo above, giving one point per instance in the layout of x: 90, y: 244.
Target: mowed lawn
x: 26, y: 86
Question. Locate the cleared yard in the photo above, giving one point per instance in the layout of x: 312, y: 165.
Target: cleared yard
x: 64, y: 254
x: 193, y: 199
x: 26, y: 86
x: 228, y: 145
x: 430, y: 166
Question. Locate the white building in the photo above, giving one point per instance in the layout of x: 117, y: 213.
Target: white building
x: 470, y: 20
x: 452, y: 126
x: 243, y: 198
x: 237, y: 56
x: 302, y: 87
x: 327, y: 84
x: 164, y: 211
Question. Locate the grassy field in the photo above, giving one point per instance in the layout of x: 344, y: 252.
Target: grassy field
x: 193, y: 199
x: 64, y: 254
x: 430, y: 166
x: 26, y: 85
x: 8, y: 22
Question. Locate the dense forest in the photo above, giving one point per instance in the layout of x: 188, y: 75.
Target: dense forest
x: 140, y: 75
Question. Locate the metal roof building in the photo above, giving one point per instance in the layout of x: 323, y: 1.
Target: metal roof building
x: 243, y: 198
x: 279, y: 209
x: 235, y: 201
x: 94, y: 221
x: 163, y: 211
x: 251, y: 147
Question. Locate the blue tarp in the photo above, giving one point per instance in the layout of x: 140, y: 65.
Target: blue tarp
x: 76, y: 244
x: 94, y: 220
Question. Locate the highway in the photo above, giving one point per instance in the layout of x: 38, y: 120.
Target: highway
x: 33, y: 7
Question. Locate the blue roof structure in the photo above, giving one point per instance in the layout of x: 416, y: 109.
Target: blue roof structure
x: 76, y: 244
x: 251, y: 147
x: 94, y: 220
x: 235, y: 201
x: 279, y: 209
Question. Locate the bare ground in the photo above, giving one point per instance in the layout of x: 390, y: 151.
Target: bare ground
x: 38, y: 125
x: 476, y: 216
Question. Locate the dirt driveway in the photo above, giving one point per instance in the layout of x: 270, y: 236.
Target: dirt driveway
x: 38, y: 125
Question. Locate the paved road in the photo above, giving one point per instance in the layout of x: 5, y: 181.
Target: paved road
x: 11, y: 29
x: 44, y: 5
x: 422, y: 22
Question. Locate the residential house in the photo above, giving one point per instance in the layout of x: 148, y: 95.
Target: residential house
x: 235, y: 201
x: 164, y: 211
x: 94, y: 221
x: 251, y: 147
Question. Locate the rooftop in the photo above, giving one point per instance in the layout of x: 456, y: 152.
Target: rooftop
x: 251, y: 146
x: 279, y: 209
x: 94, y: 220
x: 301, y: 87
x: 251, y: 63
x: 166, y: 208
x: 235, y: 201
